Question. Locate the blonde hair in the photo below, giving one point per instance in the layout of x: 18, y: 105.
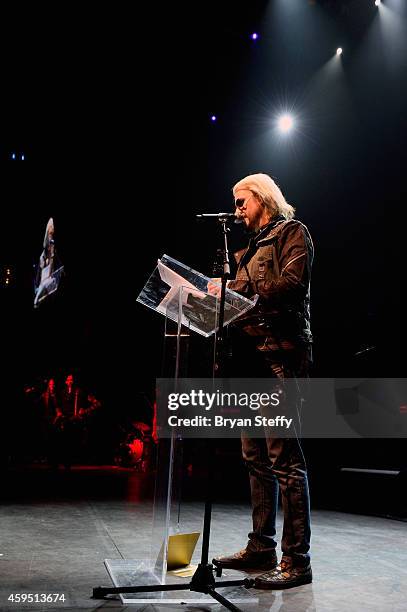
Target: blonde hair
x: 269, y: 194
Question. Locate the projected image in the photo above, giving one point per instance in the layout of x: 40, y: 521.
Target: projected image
x: 49, y: 269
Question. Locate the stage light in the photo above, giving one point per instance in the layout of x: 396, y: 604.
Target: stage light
x: 22, y: 157
x: 377, y: 2
x: 213, y: 118
x: 13, y: 156
x: 285, y: 123
x: 254, y: 36
x: 339, y: 51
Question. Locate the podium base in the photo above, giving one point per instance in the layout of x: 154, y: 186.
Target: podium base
x: 125, y: 572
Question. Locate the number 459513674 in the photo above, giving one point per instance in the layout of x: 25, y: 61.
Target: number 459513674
x: 36, y: 597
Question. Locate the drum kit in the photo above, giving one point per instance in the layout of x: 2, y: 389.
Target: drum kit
x: 133, y: 449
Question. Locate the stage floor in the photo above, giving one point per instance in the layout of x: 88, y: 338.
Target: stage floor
x: 57, y: 541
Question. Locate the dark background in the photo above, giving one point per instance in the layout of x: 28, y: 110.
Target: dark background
x: 111, y: 108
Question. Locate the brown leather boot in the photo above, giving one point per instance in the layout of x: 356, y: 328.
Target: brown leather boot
x: 248, y: 560
x: 285, y: 576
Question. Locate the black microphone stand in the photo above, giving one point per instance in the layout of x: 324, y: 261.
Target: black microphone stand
x: 203, y: 580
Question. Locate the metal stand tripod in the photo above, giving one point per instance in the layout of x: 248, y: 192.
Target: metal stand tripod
x: 203, y: 581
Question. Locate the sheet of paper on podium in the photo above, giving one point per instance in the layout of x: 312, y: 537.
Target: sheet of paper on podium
x: 176, y: 282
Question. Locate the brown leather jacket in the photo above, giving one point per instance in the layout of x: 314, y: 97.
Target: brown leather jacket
x: 276, y: 266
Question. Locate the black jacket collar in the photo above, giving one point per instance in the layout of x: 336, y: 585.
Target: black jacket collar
x: 263, y: 231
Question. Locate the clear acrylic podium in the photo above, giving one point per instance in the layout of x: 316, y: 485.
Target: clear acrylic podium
x: 180, y: 294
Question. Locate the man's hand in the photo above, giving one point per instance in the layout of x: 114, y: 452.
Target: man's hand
x: 214, y: 289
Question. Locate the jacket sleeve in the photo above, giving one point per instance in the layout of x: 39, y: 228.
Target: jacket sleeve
x: 294, y: 252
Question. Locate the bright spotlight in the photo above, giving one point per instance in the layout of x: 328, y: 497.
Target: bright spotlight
x: 339, y: 51
x: 377, y: 2
x: 285, y: 123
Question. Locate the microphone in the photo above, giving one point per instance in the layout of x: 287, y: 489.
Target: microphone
x: 221, y: 216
